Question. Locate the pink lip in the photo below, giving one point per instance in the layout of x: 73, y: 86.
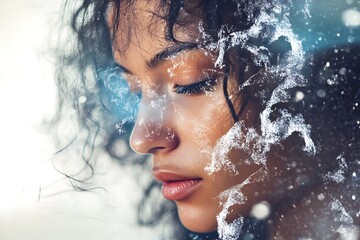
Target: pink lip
x: 179, y: 190
x: 177, y: 187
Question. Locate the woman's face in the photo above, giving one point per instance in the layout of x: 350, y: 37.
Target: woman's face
x: 182, y: 115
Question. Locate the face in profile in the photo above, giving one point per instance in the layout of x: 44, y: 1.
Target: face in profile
x: 185, y: 122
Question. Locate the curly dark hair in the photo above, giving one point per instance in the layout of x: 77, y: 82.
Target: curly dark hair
x: 79, y: 78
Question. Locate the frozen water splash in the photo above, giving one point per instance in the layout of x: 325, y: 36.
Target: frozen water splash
x: 338, y: 176
x: 229, y: 231
x: 273, y: 132
x: 347, y: 229
x: 306, y: 10
x: 267, y: 25
x: 235, y: 138
x: 124, y: 104
x: 219, y: 157
x: 270, y: 26
x: 229, y: 198
x: 342, y: 215
x: 256, y: 145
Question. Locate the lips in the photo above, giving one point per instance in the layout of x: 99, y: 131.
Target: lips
x: 177, y: 187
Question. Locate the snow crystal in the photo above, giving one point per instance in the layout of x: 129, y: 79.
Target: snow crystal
x: 232, y: 139
x: 338, y: 176
x: 231, y: 197
x: 343, y: 216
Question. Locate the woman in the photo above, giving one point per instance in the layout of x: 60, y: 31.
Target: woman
x: 217, y: 97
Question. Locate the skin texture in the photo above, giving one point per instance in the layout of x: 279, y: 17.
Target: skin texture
x: 181, y: 130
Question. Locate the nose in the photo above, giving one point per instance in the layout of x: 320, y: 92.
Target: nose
x: 153, y: 131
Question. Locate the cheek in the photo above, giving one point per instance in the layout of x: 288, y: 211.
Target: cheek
x: 202, y: 121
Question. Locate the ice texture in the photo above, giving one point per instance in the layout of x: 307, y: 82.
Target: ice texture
x: 288, y: 69
x: 338, y: 175
x: 123, y: 103
x: 231, y: 140
x: 347, y: 229
x: 272, y: 23
x: 343, y: 215
x: 229, y: 198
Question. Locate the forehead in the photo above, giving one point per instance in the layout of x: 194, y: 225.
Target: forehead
x: 142, y: 27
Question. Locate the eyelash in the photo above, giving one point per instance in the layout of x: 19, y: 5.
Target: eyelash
x: 206, y: 85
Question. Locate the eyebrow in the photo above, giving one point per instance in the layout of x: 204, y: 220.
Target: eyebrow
x: 169, y: 52
x: 124, y: 69
x: 163, y: 55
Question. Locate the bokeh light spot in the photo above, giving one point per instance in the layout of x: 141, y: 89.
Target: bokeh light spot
x: 351, y: 18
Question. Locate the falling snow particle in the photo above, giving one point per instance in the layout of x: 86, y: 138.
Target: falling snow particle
x: 321, y: 93
x: 344, y: 216
x: 82, y: 99
x: 299, y: 96
x: 261, y: 210
x: 351, y: 18
x: 351, y: 39
x: 342, y: 71
x: 338, y: 176
x: 321, y: 197
x: 331, y: 82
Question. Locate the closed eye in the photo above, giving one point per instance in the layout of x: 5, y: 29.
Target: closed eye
x: 206, y: 85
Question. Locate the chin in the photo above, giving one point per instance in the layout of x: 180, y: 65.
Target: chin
x: 204, y: 219
x: 196, y: 220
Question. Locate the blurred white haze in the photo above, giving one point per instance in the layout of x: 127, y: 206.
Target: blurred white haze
x: 27, y: 97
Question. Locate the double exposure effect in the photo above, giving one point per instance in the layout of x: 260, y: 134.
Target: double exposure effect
x: 248, y: 109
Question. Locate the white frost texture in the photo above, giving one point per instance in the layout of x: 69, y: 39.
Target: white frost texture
x: 338, y: 176
x: 272, y: 23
